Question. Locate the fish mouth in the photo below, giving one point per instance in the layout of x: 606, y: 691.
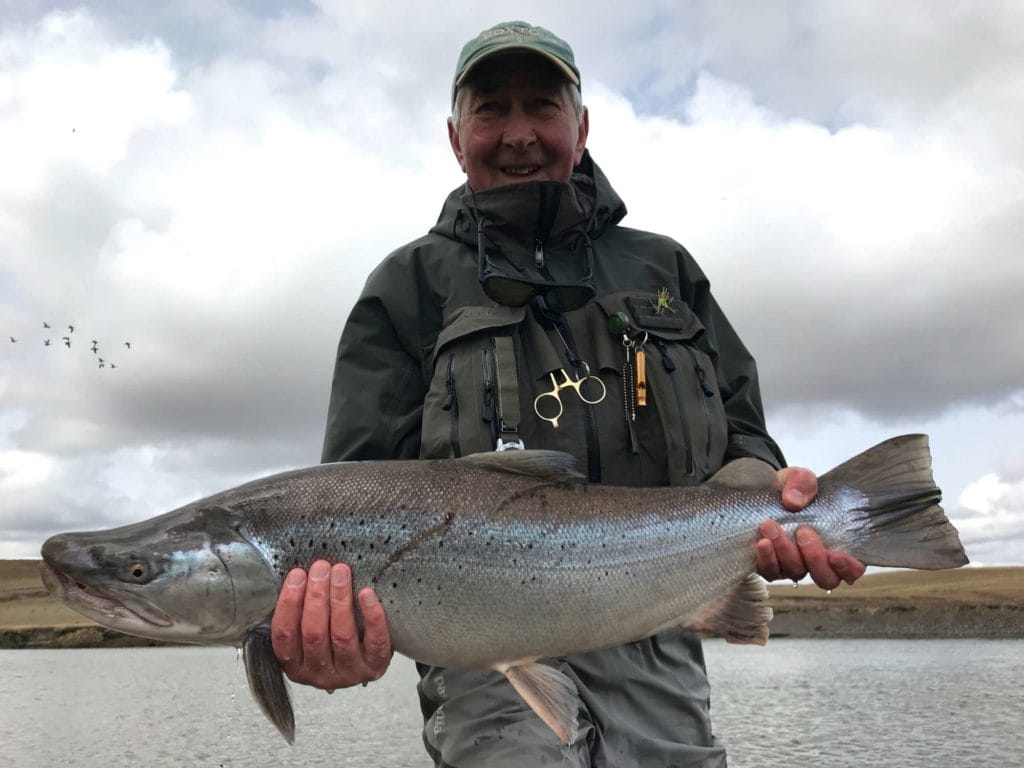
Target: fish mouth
x: 98, y: 605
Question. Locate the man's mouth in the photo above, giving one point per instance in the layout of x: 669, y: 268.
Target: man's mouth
x: 520, y: 170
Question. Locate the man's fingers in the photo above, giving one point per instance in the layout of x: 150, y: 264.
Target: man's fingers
x: 791, y: 564
x: 284, y: 626
x: 767, y: 565
x: 848, y: 568
x: 816, y: 557
x: 799, y: 486
x: 344, y: 631
x: 376, y: 638
x: 316, y: 646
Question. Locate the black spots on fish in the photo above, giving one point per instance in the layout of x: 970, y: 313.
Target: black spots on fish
x: 323, y: 545
x: 387, y: 540
x: 291, y: 542
x: 394, y: 585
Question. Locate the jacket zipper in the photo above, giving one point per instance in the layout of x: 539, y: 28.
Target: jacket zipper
x: 451, y: 404
x: 487, y: 412
x: 706, y: 391
x: 670, y: 368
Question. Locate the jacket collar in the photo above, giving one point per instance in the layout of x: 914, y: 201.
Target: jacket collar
x: 587, y: 204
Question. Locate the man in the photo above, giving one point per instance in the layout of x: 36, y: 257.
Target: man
x: 528, y: 281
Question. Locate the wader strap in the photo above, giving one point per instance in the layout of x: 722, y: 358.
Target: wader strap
x: 508, y: 394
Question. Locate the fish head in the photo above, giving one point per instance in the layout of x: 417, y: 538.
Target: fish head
x: 189, y: 576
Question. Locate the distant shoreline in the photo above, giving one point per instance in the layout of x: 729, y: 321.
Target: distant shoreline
x: 962, y: 603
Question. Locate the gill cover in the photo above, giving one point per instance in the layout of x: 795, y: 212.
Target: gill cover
x: 188, y: 576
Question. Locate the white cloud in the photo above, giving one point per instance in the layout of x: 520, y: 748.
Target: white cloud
x: 232, y: 178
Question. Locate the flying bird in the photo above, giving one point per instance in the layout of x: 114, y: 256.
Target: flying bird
x: 94, y: 347
x: 45, y: 324
x: 71, y: 329
x: 128, y: 344
x: 13, y: 340
x: 67, y: 341
x: 46, y: 342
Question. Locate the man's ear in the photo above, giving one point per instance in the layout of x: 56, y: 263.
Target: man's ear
x: 581, y: 140
x: 453, y: 139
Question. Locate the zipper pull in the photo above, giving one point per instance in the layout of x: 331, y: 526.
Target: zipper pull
x: 665, y: 359
x: 701, y: 376
x: 538, y: 253
x: 449, y: 399
x: 487, y: 410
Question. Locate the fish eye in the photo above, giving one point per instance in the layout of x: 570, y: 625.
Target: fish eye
x: 137, y: 571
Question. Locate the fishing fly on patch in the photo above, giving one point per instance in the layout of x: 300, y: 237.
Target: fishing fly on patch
x: 662, y: 302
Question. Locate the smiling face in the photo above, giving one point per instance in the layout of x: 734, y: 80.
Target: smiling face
x: 516, y: 122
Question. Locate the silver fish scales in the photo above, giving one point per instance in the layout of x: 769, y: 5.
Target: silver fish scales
x: 491, y: 561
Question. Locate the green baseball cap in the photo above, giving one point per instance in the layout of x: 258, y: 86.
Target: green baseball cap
x: 515, y: 36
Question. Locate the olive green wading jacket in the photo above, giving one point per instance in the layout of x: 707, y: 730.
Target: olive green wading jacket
x: 417, y: 364
x: 424, y: 369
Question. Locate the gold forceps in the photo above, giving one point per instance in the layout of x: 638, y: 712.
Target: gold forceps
x: 555, y: 395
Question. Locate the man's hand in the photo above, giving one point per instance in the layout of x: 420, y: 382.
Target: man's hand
x: 314, y: 629
x: 779, y: 557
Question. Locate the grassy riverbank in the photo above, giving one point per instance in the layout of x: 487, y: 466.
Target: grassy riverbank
x: 968, y: 602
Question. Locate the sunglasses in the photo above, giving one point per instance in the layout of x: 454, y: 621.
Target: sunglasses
x: 512, y: 290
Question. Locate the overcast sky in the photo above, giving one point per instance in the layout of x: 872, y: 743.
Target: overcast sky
x: 212, y: 181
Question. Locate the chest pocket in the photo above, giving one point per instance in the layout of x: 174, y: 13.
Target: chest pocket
x: 460, y: 413
x: 682, y: 385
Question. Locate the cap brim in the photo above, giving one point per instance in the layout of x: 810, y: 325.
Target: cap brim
x: 564, y: 68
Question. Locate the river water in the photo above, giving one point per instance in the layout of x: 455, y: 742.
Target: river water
x: 900, y: 703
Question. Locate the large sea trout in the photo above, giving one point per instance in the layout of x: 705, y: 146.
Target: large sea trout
x: 494, y: 560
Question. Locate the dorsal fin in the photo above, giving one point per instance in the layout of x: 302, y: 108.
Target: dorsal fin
x: 555, y: 466
x: 745, y: 474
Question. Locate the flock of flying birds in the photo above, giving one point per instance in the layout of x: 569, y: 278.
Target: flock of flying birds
x: 66, y: 341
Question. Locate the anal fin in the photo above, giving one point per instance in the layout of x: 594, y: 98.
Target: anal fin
x: 549, y: 693
x: 266, y: 681
x: 740, y: 615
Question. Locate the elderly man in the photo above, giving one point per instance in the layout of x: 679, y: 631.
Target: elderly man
x: 526, y: 274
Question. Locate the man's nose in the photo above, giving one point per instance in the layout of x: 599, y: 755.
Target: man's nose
x: 519, y: 131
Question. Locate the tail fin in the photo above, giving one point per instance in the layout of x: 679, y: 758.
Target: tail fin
x: 904, y: 524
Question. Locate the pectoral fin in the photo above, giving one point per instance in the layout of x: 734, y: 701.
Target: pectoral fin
x: 740, y: 615
x: 549, y: 693
x: 266, y: 681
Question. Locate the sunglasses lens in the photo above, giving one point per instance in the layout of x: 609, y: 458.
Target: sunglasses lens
x: 511, y: 293
x: 564, y: 298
